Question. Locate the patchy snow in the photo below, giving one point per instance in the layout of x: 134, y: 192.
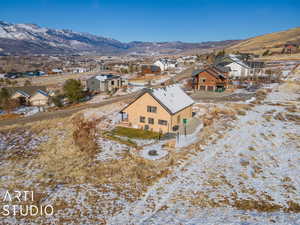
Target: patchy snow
x: 28, y: 110
x: 252, y: 159
x: 110, y: 150
x: 187, y: 214
x: 98, y: 98
x: 186, y: 140
x: 24, y: 140
x: 137, y: 84
x: 108, y: 116
x: 160, y: 152
x: 132, y: 89
x: 252, y: 99
x: 142, y: 142
x: 161, y: 80
x: 284, y: 92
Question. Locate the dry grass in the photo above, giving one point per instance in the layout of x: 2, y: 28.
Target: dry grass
x: 134, y: 133
x: 268, y: 41
x: 9, y: 116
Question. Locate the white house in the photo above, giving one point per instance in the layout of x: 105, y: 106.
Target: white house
x: 187, y: 59
x: 79, y: 70
x: 240, y: 68
x: 166, y: 64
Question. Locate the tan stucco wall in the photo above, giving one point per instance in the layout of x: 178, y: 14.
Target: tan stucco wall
x: 16, y: 95
x: 39, y: 99
x: 184, y: 114
x: 139, y: 108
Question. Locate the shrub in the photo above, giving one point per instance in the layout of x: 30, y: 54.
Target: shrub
x: 266, y: 53
x: 27, y: 83
x: 57, y: 100
x: 73, y: 90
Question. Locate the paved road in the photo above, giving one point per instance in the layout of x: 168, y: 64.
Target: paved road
x: 64, y: 112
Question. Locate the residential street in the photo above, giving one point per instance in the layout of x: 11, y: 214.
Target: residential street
x: 63, y: 112
x: 68, y: 112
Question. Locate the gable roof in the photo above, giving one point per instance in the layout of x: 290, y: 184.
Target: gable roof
x: 216, y: 73
x: 153, y: 68
x: 25, y: 94
x: 222, y: 68
x: 255, y: 64
x: 235, y: 59
x: 26, y: 91
x: 104, y: 77
x: 196, y: 72
x: 172, y: 98
x: 42, y: 92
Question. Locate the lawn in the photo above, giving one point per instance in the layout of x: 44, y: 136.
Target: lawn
x: 135, y: 133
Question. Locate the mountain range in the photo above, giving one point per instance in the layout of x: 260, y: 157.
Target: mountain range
x: 29, y: 39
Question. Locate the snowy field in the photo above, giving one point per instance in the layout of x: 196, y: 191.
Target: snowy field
x: 110, y: 150
x: 245, y: 174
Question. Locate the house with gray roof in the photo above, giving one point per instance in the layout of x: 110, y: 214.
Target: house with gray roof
x: 30, y: 95
x: 105, y: 83
x: 241, y: 68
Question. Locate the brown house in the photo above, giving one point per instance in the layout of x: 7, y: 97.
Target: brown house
x: 209, y: 79
x: 150, y: 69
x: 290, y: 48
x: 161, y: 110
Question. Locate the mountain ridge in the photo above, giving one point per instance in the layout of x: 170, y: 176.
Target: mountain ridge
x: 28, y: 39
x: 271, y: 41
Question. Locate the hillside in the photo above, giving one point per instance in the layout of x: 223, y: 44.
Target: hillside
x: 241, y: 167
x: 28, y: 39
x: 272, y: 41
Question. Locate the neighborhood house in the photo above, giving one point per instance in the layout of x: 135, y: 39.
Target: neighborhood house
x: 150, y: 69
x: 30, y: 95
x: 241, y: 68
x: 161, y: 110
x: 105, y: 83
x: 209, y: 79
x: 166, y: 64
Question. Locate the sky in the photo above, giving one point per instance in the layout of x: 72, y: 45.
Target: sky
x: 158, y: 20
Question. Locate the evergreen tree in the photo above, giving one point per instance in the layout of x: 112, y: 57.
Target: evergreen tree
x: 73, y: 90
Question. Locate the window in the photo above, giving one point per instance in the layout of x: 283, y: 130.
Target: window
x: 142, y: 119
x: 152, y: 109
x: 162, y: 122
x: 210, y: 88
x: 178, y: 119
x: 150, y: 120
x: 175, y: 128
x: 203, y: 80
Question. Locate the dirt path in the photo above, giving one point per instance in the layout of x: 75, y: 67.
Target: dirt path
x: 63, y: 112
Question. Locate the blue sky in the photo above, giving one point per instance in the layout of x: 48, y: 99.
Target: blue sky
x: 158, y: 20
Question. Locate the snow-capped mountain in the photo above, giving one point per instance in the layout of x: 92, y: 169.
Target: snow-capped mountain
x: 20, y: 39
x: 30, y: 38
